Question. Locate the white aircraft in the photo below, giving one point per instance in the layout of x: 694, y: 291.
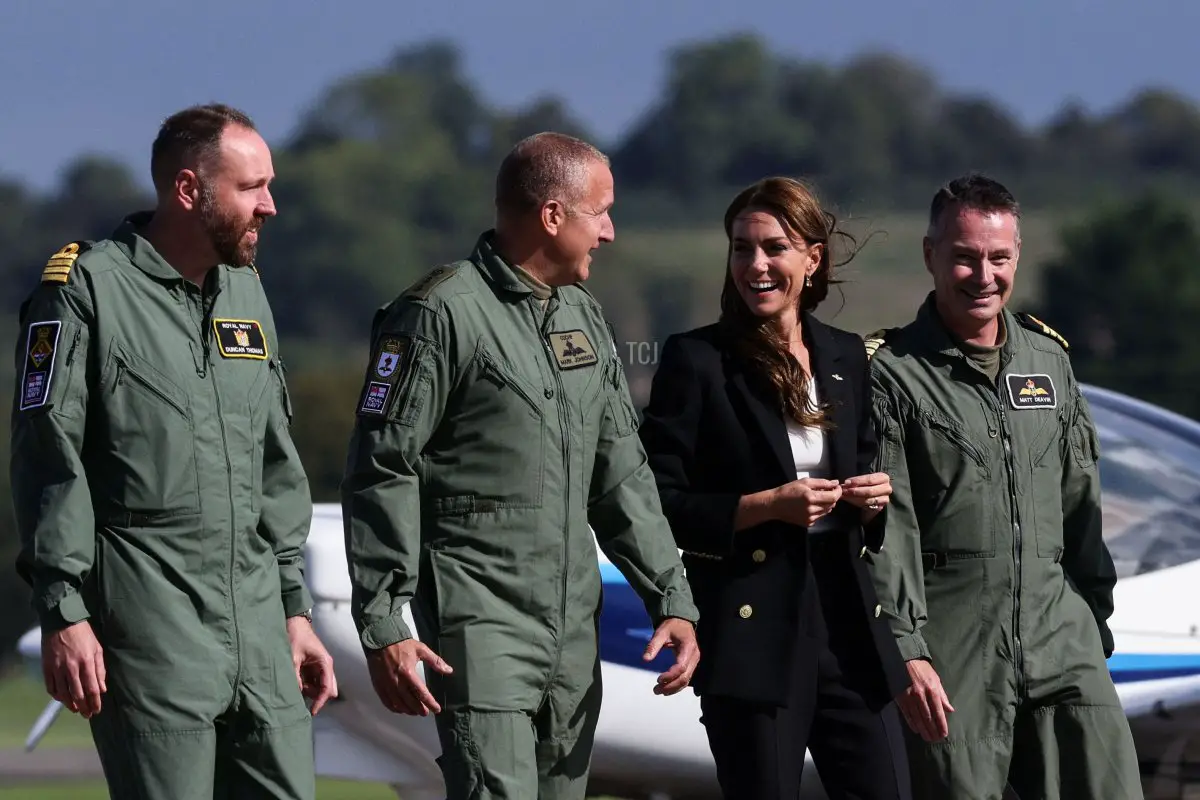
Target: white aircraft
x: 655, y: 747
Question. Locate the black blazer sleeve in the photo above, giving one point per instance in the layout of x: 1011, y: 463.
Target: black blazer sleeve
x: 671, y: 426
x: 868, y: 447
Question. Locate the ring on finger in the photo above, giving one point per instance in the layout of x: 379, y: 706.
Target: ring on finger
x: 873, y: 504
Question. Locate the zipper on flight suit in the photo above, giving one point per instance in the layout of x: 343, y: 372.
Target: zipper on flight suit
x: 1018, y: 546
x: 564, y: 415
x: 208, y: 304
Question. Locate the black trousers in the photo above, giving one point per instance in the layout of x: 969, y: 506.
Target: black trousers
x: 759, y: 750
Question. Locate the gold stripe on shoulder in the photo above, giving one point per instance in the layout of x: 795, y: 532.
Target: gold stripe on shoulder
x: 874, y: 341
x: 58, y: 268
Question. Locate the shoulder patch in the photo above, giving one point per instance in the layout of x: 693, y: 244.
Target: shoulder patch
x: 58, y: 268
x: 875, y: 340
x: 429, y: 281
x: 389, y: 361
x: 1035, y: 324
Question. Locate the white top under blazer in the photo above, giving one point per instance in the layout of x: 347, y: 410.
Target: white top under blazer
x: 810, y: 451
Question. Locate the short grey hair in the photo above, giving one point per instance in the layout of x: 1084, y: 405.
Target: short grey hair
x: 542, y: 167
x: 971, y: 191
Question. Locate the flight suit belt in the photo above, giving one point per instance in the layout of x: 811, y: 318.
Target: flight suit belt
x: 140, y: 519
x: 933, y: 559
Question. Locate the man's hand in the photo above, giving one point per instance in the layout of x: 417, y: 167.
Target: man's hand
x: 680, y: 636
x: 73, y: 668
x: 924, y: 704
x: 314, y: 665
x: 394, y: 676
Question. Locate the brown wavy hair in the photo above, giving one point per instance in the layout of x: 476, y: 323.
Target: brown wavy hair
x: 757, y: 340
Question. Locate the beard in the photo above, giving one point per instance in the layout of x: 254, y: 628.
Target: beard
x: 226, y: 233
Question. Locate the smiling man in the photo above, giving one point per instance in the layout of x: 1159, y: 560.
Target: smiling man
x: 493, y: 428
x: 995, y: 576
x: 161, y: 503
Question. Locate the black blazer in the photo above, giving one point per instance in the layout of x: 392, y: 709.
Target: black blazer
x: 712, y: 433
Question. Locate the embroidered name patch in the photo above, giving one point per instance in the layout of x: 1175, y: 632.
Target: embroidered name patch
x: 240, y: 338
x: 572, y: 349
x: 1031, y: 391
x: 39, y: 363
x: 387, y: 367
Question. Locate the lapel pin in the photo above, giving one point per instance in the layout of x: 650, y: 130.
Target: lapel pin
x: 836, y: 377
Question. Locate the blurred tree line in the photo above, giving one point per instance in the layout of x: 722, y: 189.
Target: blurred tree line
x: 390, y: 172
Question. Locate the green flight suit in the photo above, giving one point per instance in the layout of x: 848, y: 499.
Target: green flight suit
x: 995, y: 568
x: 159, y: 496
x: 492, y: 428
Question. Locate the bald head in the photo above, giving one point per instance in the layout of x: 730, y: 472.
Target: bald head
x: 543, y: 167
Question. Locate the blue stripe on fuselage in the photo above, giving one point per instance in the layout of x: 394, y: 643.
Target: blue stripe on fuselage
x: 625, y: 629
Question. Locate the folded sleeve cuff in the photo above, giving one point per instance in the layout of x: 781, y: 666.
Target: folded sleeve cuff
x: 679, y: 607
x: 912, y: 646
x: 385, y: 632
x: 296, y: 601
x: 67, y: 611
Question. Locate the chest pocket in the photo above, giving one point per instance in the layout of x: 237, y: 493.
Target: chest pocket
x: 494, y: 448
x: 951, y: 485
x: 150, y: 432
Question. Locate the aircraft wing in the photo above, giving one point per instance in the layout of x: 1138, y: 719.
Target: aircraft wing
x: 1156, y: 683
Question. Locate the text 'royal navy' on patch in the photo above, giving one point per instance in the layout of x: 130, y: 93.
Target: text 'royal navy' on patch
x: 1031, y: 391
x: 572, y: 349
x: 39, y: 363
x: 387, y: 367
x: 240, y: 338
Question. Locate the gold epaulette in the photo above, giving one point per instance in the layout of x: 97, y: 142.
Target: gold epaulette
x: 58, y: 268
x: 1035, y: 324
x: 874, y: 341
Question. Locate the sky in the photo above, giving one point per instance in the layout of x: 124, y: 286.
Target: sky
x: 99, y: 75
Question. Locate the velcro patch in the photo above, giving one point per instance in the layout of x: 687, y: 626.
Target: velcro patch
x: 39, y: 363
x: 387, y: 368
x: 240, y: 338
x: 1031, y: 391
x: 572, y: 349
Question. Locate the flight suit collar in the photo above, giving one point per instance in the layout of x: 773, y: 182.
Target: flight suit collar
x: 143, y: 255
x: 933, y: 333
x: 497, y: 269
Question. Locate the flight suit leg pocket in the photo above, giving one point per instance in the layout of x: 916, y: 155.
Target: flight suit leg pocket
x: 957, y: 504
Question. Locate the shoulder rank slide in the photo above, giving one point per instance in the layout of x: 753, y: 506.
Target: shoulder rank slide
x: 58, y: 268
x: 429, y: 281
x: 1035, y: 324
x: 874, y: 341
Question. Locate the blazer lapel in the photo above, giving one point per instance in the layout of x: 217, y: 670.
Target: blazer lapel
x: 769, y: 419
x: 834, y: 389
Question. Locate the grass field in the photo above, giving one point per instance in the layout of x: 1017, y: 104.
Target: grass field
x: 22, y: 699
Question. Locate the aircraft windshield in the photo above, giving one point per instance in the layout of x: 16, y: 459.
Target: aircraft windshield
x: 1150, y: 479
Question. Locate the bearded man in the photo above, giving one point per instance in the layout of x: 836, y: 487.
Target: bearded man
x: 161, y: 504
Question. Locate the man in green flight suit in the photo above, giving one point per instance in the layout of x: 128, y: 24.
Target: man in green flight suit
x: 161, y: 504
x: 995, y: 578
x: 493, y: 426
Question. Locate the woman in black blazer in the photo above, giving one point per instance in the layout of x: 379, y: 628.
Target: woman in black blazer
x: 764, y: 474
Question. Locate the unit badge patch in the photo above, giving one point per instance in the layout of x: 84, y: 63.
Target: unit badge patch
x: 572, y: 349
x: 387, y: 368
x: 240, y: 338
x: 39, y: 364
x: 1031, y: 391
